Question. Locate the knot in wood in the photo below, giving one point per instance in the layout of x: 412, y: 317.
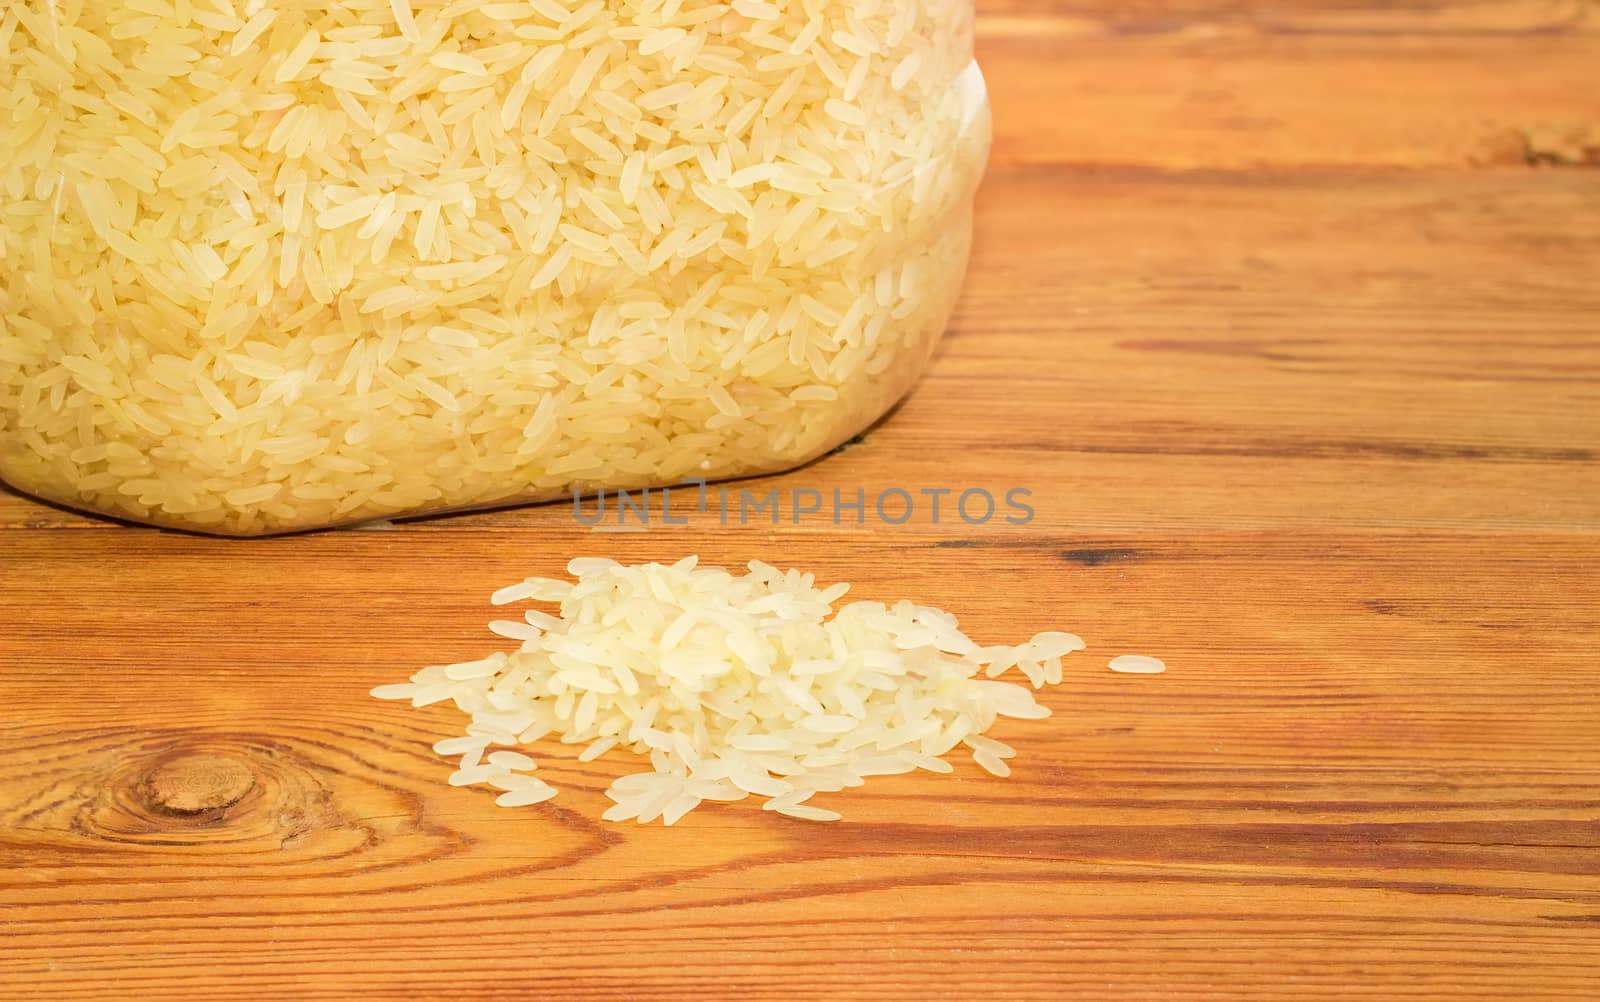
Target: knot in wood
x: 196, y: 783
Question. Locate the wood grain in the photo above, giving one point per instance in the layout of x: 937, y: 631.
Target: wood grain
x: 1374, y: 755
x: 1319, y: 431
x: 1224, y: 83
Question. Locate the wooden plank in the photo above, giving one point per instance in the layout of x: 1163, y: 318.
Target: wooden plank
x: 1213, y: 83
x: 1374, y: 17
x: 1370, y: 770
x: 1256, y: 350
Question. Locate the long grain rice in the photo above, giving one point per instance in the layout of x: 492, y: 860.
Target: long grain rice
x: 730, y: 685
x: 1137, y: 664
x: 314, y: 187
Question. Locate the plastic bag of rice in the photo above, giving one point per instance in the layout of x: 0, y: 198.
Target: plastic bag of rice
x: 269, y: 266
x: 730, y: 686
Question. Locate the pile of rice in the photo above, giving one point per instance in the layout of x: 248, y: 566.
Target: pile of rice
x: 731, y: 685
x: 270, y: 266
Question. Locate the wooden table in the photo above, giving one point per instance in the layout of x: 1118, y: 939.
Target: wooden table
x: 1288, y: 315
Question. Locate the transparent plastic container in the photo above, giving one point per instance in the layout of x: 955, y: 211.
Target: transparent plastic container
x: 302, y: 266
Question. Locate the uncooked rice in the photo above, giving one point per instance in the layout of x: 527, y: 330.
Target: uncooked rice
x: 731, y: 686
x: 274, y: 266
x: 1137, y: 664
